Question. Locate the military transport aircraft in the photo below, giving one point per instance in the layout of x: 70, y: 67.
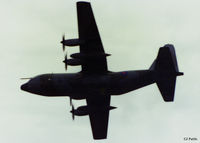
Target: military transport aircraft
x: 95, y: 82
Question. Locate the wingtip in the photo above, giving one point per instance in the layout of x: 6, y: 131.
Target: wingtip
x: 82, y: 2
x: 99, y: 138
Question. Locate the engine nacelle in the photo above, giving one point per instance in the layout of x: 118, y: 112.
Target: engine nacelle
x: 73, y: 62
x: 83, y: 110
x: 82, y: 56
x: 72, y: 42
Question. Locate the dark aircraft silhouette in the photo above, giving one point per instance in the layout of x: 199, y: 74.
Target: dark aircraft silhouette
x: 95, y: 82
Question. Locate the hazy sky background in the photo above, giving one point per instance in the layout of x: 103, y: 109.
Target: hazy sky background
x: 132, y: 31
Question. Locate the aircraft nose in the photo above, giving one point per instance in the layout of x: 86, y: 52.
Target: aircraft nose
x: 24, y: 87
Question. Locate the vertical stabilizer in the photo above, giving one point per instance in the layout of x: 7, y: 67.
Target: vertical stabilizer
x: 166, y: 68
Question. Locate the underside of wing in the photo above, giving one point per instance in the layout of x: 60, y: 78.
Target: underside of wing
x: 95, y: 57
x: 99, y: 115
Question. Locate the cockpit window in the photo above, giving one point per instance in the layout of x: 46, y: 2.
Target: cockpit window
x: 46, y: 77
x: 46, y: 81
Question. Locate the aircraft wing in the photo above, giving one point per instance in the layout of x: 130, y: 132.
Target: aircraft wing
x: 95, y: 59
x: 99, y: 115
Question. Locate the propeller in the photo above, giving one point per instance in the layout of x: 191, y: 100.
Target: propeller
x: 65, y: 61
x: 70, y: 101
x: 72, y: 111
x: 63, y: 46
x: 63, y: 40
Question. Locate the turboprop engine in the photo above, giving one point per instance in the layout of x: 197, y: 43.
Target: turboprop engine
x: 72, y: 42
x: 72, y: 62
x: 89, y: 56
x: 84, y: 110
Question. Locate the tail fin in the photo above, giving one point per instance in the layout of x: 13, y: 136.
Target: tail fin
x: 166, y: 68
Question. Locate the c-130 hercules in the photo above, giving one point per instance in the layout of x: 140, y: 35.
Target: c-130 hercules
x: 94, y: 82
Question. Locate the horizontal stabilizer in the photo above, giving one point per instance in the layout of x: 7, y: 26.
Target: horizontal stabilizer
x: 167, y: 88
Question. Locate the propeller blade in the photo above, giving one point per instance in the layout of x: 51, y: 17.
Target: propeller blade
x: 65, y: 61
x: 63, y: 46
x: 70, y: 101
x: 73, y: 112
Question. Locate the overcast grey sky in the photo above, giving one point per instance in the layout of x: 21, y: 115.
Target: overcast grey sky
x: 132, y: 31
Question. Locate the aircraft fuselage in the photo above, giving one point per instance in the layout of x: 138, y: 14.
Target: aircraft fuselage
x: 79, y: 86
